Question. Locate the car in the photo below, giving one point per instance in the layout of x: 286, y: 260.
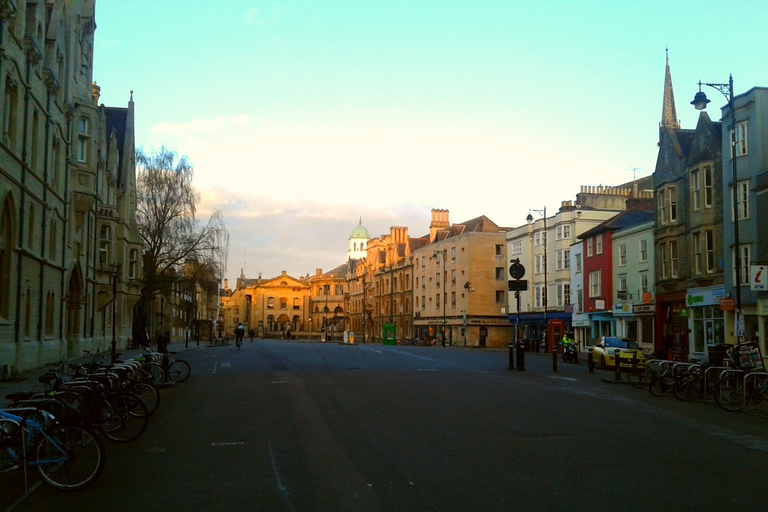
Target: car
x: 605, y: 351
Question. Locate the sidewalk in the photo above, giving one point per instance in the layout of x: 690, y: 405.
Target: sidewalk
x: 28, y: 380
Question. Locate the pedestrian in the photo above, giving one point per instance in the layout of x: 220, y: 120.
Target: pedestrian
x: 250, y: 333
x: 239, y: 333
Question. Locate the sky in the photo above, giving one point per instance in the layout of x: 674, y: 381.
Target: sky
x: 304, y: 117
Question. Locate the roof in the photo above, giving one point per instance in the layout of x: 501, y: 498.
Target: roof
x: 623, y: 220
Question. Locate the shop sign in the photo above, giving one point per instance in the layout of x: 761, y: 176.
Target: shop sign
x: 647, y: 298
x: 645, y: 308
x: 683, y: 313
x: 622, y: 309
x: 727, y: 304
x: 704, y: 296
x: 600, y: 304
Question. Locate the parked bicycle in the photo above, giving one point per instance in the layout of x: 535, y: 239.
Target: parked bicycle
x: 65, y: 457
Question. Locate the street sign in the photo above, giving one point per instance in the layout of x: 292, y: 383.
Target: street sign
x: 727, y: 304
x: 517, y: 286
x: 516, y: 270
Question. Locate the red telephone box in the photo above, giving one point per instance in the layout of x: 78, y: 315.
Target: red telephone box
x: 554, y: 334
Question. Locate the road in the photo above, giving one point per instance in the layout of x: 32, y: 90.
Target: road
x: 288, y: 426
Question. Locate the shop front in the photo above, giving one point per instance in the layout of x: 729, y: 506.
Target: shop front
x: 635, y: 321
x: 672, y: 326
x: 706, y: 323
x: 533, y: 328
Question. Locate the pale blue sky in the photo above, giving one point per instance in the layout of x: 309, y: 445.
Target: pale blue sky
x: 301, y: 116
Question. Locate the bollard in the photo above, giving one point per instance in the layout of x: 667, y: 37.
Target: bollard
x: 511, y: 356
x: 617, y: 367
x: 554, y: 358
x: 575, y: 353
x: 520, y: 358
x: 590, y: 363
x: 634, y: 364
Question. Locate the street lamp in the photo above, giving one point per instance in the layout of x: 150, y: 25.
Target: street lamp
x: 700, y: 103
x: 529, y: 218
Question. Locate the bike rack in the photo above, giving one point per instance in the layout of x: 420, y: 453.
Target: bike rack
x: 744, y: 391
x: 723, y: 370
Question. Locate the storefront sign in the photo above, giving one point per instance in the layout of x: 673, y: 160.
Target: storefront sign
x: 645, y: 308
x: 600, y: 304
x: 727, y: 304
x: 622, y: 309
x: 704, y: 296
x: 647, y: 298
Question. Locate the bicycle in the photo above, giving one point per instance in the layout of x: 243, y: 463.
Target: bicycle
x: 65, y: 457
x: 178, y: 370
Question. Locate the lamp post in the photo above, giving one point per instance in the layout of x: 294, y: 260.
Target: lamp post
x: 544, y: 297
x: 114, y: 278
x: 700, y: 103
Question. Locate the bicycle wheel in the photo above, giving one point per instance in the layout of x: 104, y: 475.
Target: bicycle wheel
x: 637, y: 378
x: 69, y: 457
x: 662, y: 385
x: 157, y: 373
x: 688, y: 386
x: 123, y: 416
x: 179, y: 371
x: 148, y: 393
x: 729, y: 393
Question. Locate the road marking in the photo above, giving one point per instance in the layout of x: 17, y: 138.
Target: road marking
x: 228, y: 443
x: 280, y: 487
x: 562, y: 378
x: 225, y: 364
x: 215, y: 364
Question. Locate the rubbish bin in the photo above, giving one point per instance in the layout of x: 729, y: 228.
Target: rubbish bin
x: 717, y: 354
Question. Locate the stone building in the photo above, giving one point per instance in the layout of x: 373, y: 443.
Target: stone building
x: 328, y: 317
x: 69, y: 246
x: 460, y: 287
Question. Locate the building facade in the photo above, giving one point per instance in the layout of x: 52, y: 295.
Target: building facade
x: 70, y: 254
x: 460, y: 294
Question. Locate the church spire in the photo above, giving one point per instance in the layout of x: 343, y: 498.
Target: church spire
x: 668, y: 113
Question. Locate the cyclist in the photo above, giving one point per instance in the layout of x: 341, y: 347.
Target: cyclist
x: 239, y: 333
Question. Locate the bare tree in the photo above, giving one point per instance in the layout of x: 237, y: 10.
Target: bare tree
x: 171, y: 234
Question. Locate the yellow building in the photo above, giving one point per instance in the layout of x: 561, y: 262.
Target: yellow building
x: 460, y: 288
x: 328, y: 318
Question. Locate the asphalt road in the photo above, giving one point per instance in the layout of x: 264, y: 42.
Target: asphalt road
x: 288, y: 426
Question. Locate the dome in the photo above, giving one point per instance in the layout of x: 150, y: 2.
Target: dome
x: 360, y: 232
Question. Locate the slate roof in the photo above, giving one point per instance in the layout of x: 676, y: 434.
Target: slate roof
x: 625, y: 219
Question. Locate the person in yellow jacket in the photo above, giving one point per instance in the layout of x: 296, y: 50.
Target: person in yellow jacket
x: 569, y: 348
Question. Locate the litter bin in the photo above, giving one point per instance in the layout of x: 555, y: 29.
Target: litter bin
x: 717, y: 354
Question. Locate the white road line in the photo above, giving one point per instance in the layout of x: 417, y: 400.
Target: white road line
x: 215, y: 364
x: 280, y: 486
x: 226, y: 364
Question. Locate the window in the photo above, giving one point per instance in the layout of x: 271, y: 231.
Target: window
x: 742, y: 197
x: 453, y: 253
x: 83, y: 136
x: 661, y: 205
x: 9, y: 112
x: 500, y: 298
x: 558, y: 232
x: 579, y: 301
x: 740, y: 139
x: 296, y: 303
x: 537, y: 238
x: 517, y: 247
x: 643, y: 250
x: 31, y: 228
x: 437, y: 279
x: 283, y: 303
x: 708, y: 184
x: 52, y: 237
x: 595, y: 288
x: 695, y: 190
x: 538, y: 296
x: 599, y: 244
x: 566, y: 231
x: 499, y: 274
x: 499, y: 251
x: 453, y: 275
x: 539, y: 264
x: 589, y: 247
x: 672, y: 194
x: 709, y: 245
x: 673, y: 258
x: 622, y: 255
x: 743, y: 264
x: 577, y: 259
x: 105, y: 239
x: 562, y: 259
x: 423, y: 302
x: 563, y: 294
x: 644, y: 283
x: 437, y: 301
x: 133, y: 264
x: 696, y: 243
x: 271, y: 303
x: 663, y: 260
